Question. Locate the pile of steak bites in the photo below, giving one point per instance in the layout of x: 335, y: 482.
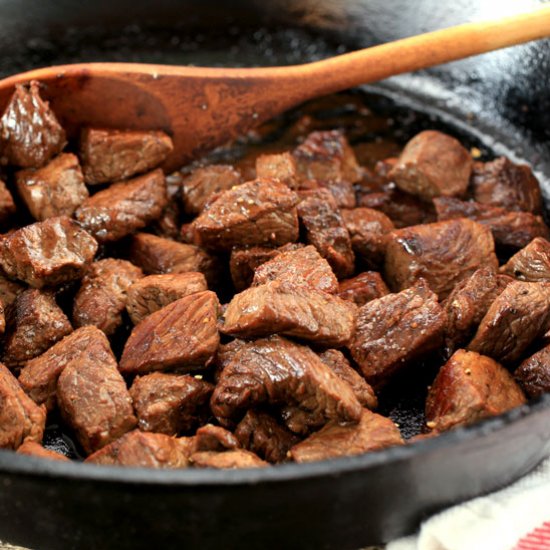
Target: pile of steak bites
x: 216, y: 319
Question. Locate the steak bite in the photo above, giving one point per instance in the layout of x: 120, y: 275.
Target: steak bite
x: 169, y: 403
x: 114, y: 155
x: 260, y: 212
x: 503, y: 183
x: 238, y: 458
x: 325, y: 229
x: 533, y: 375
x: 244, y: 261
x: 101, y: 298
x: 215, y: 438
x: 372, y: 433
x: 517, y: 317
x: 181, y: 334
x: 204, y: 182
x: 38, y: 324
x: 302, y: 266
x: 470, y: 387
x: 47, y: 253
x: 363, y: 288
x: 278, y: 372
x: 85, y: 346
x: 124, y: 207
x: 56, y: 189
x: 531, y: 263
x: 395, y: 330
x: 21, y: 419
x: 281, y: 167
x: 7, y: 206
x: 283, y: 308
x: 443, y: 253
x: 30, y: 134
x: 32, y: 448
x: 433, y: 164
x: 152, y: 293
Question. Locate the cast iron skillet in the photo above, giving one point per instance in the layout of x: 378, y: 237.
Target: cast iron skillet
x: 499, y: 101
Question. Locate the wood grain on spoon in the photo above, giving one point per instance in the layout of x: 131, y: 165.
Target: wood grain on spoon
x: 204, y: 107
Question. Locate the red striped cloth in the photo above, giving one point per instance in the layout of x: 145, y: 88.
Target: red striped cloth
x: 537, y: 539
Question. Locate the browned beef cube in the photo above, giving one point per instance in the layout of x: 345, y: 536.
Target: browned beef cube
x: 30, y: 134
x: 260, y: 433
x: 124, y: 207
x: 114, y: 155
x: 85, y: 346
x: 259, y: 212
x: 169, y: 403
x: 238, y: 458
x: 531, y: 263
x: 363, y: 288
x: 278, y: 307
x: 302, y: 266
x: 32, y: 448
x: 533, y: 375
x: 503, y: 183
x: 101, y: 298
x: 343, y: 193
x: 152, y: 293
x: 203, y: 182
x: 7, y: 206
x: 338, y: 363
x: 94, y: 401
x: 244, y: 261
x: 470, y: 387
x: 20, y: 417
x: 280, y: 166
x: 373, y: 432
x: 279, y: 372
x: 326, y: 230
x: 144, y: 449
x: 395, y: 330
x: 513, y: 229
x: 433, y: 164
x: 47, y: 253
x: 38, y: 324
x: 443, y: 253
x: 181, y: 334
x: 56, y: 189
x: 215, y: 438
x: 517, y: 317
x: 368, y: 230
x: 9, y: 290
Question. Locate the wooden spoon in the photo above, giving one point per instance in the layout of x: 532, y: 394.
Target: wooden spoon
x: 204, y: 107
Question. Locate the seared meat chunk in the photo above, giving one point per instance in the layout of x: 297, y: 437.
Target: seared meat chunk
x: 395, y: 330
x: 279, y: 372
x: 238, y: 458
x: 144, y: 449
x: 281, y: 307
x: 244, y: 261
x: 503, y: 183
x: 204, y: 182
x: 94, y: 401
x: 56, y: 189
x: 325, y: 229
x: 433, y: 164
x: 470, y: 387
x: 281, y: 167
x: 372, y: 433
x: 512, y: 229
x: 47, y: 253
x: 338, y: 363
x: 85, y: 346
x: 30, y: 134
x: 181, y: 334
x: 7, y: 206
x: 531, y: 263
x: 260, y: 433
x: 302, y: 266
x: 255, y: 213
x: 443, y: 253
x: 368, y: 230
x: 517, y: 317
x: 152, y: 293
x: 32, y: 448
x: 124, y: 207
x: 363, y: 288
x: 38, y: 324
x: 114, y: 155
x: 169, y: 403
x: 9, y: 290
x: 21, y: 419
x: 101, y: 298
x: 215, y: 438
x: 533, y: 375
